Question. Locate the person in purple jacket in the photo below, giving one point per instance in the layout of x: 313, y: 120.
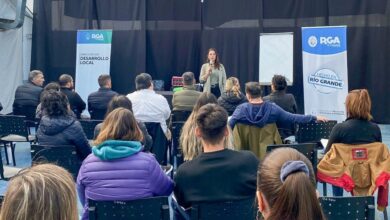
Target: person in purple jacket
x: 117, y: 169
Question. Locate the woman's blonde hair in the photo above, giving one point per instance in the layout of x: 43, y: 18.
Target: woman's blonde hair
x: 41, y: 192
x: 233, y: 85
x: 190, y: 144
x: 358, y: 104
x: 119, y: 124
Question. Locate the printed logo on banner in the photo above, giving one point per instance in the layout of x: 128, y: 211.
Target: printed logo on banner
x: 325, y: 81
x: 323, y: 41
x: 312, y: 41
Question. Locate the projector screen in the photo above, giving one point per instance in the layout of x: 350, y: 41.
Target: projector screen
x: 276, y: 57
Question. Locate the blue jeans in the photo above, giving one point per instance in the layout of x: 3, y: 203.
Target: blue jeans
x: 337, y: 191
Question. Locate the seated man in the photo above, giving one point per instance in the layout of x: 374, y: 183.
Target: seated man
x: 67, y: 87
x: 98, y: 101
x: 284, y: 100
x: 185, y: 99
x: 259, y: 113
x: 218, y: 174
x: 27, y: 95
x: 147, y: 105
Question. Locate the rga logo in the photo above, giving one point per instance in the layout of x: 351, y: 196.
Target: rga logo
x: 325, y: 81
x: 330, y: 41
x: 97, y: 37
x: 87, y: 36
x: 312, y: 41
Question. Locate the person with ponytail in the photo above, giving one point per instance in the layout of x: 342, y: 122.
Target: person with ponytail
x: 232, y: 97
x: 357, y: 128
x: 286, y: 187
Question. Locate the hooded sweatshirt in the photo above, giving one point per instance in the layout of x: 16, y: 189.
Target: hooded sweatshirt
x: 119, y: 170
x: 265, y: 113
x: 63, y: 130
x: 229, y: 101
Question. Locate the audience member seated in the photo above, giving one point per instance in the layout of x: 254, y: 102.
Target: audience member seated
x: 259, y: 113
x: 232, y: 96
x: 218, y: 174
x: 185, y: 99
x: 43, y: 191
x: 58, y: 127
x: 97, y: 101
x: 50, y: 86
x: 124, y: 102
x: 148, y: 106
x: 358, y: 128
x: 286, y: 187
x: 77, y: 105
x: 117, y: 169
x: 27, y: 95
x: 284, y: 100
x: 190, y: 144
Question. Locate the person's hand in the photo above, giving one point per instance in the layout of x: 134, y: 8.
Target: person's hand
x: 321, y: 118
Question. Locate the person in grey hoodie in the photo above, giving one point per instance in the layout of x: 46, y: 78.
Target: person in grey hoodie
x: 58, y: 127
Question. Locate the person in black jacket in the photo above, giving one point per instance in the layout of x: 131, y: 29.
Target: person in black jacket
x: 98, y: 101
x: 67, y: 87
x: 58, y: 127
x: 27, y: 95
x: 232, y: 97
x: 284, y: 100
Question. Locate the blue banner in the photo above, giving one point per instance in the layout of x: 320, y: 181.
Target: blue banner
x: 94, y: 36
x: 325, y: 73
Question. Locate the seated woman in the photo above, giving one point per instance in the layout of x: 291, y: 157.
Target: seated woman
x: 286, y: 187
x: 358, y: 128
x: 117, y: 169
x: 58, y: 127
x: 124, y: 102
x: 190, y: 144
x: 232, y: 96
x: 43, y: 191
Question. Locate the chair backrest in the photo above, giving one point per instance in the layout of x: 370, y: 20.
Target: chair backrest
x: 155, y: 208
x: 314, y: 131
x: 342, y: 208
x: 97, y: 114
x: 230, y: 210
x: 176, y: 148
x: 64, y: 156
x: 307, y: 149
x: 25, y: 110
x: 89, y: 127
x: 13, y: 124
x: 160, y: 142
x: 255, y: 139
x: 182, y: 116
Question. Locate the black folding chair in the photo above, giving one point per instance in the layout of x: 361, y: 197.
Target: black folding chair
x: 64, y: 156
x: 89, y: 127
x: 343, y: 208
x: 13, y: 129
x: 230, y: 210
x: 160, y: 142
x: 313, y: 132
x: 177, y: 154
x: 182, y: 116
x: 155, y: 208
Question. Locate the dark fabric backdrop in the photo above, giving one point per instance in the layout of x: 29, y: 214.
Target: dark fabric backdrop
x: 166, y: 38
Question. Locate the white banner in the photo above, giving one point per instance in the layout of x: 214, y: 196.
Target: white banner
x: 325, y: 73
x: 92, y: 59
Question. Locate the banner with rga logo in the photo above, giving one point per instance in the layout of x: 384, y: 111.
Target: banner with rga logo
x: 92, y: 59
x: 325, y: 73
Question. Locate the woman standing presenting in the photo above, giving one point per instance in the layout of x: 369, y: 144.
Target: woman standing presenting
x: 213, y: 74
